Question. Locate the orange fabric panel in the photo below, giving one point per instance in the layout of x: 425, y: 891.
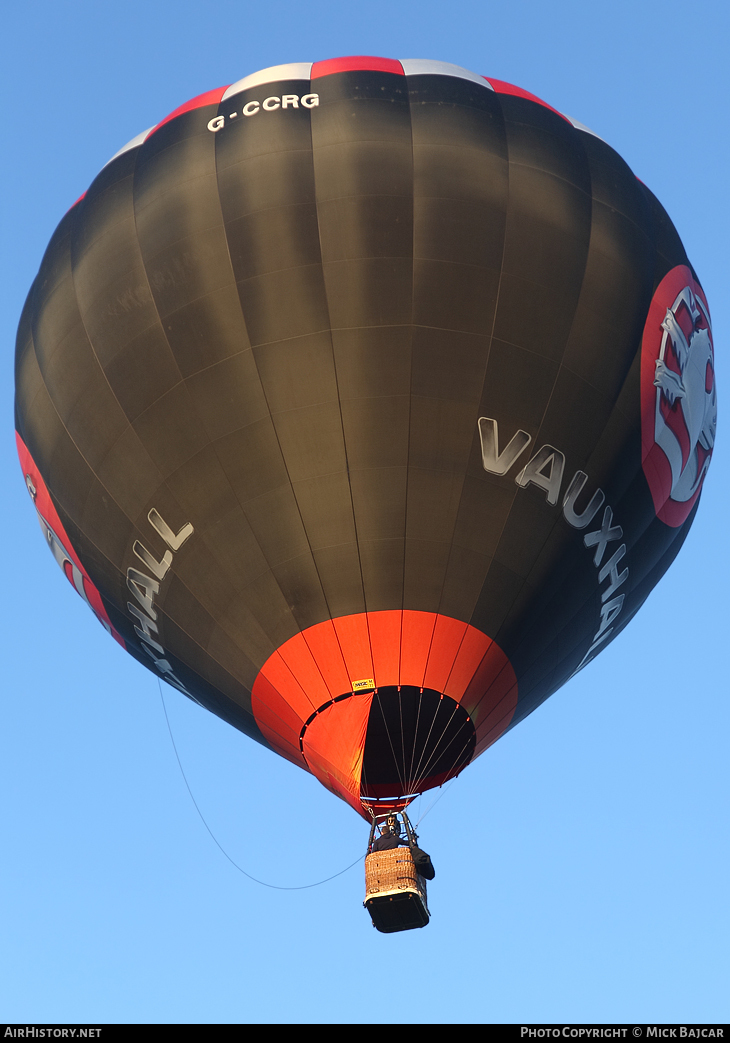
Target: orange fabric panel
x: 284, y: 750
x: 352, y: 633
x: 385, y: 643
x: 496, y: 723
x: 470, y: 654
x: 335, y: 786
x: 278, y: 673
x: 334, y: 744
x: 416, y: 637
x: 491, y: 697
x: 492, y: 680
x: 325, y: 648
x: 447, y: 637
x: 297, y: 655
x: 280, y: 724
x: 391, y: 647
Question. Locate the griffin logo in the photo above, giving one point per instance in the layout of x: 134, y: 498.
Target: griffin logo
x: 678, y: 395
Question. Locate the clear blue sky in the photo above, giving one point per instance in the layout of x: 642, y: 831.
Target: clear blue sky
x: 582, y: 862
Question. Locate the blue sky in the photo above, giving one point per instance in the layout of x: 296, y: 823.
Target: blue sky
x: 582, y: 862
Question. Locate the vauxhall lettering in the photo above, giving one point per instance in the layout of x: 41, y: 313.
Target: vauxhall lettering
x: 144, y: 589
x: 545, y: 471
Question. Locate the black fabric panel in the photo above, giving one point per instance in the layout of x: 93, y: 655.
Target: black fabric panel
x: 267, y: 196
x: 547, y: 230
x: 460, y: 190
x: 618, y: 281
x: 669, y: 248
x: 28, y: 379
x: 363, y: 173
x: 553, y: 610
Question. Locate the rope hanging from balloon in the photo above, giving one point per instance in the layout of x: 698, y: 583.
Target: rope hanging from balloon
x: 276, y: 887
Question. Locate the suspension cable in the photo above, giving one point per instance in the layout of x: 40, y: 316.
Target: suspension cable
x: 276, y: 887
x: 390, y: 741
x: 421, y: 768
x: 415, y: 739
x: 438, y: 751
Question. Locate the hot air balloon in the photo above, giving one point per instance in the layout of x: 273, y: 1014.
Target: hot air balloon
x: 365, y: 402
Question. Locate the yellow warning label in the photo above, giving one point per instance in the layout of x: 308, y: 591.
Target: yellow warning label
x: 362, y: 686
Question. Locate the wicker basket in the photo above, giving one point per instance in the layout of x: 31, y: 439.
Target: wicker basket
x: 395, y: 895
x: 390, y: 871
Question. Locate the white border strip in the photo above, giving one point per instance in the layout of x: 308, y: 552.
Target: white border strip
x: 303, y: 71
x: 424, y: 67
x: 138, y: 140
x: 581, y: 126
x: 294, y: 71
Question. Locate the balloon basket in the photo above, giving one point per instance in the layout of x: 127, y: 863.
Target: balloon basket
x: 395, y: 893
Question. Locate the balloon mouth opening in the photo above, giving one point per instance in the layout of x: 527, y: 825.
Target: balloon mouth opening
x: 380, y: 809
x: 416, y: 739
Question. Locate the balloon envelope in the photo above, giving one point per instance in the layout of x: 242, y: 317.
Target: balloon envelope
x: 365, y: 402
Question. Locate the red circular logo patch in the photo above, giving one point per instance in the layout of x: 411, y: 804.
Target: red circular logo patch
x: 678, y: 395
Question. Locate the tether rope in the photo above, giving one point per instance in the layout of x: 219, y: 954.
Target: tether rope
x: 276, y: 887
